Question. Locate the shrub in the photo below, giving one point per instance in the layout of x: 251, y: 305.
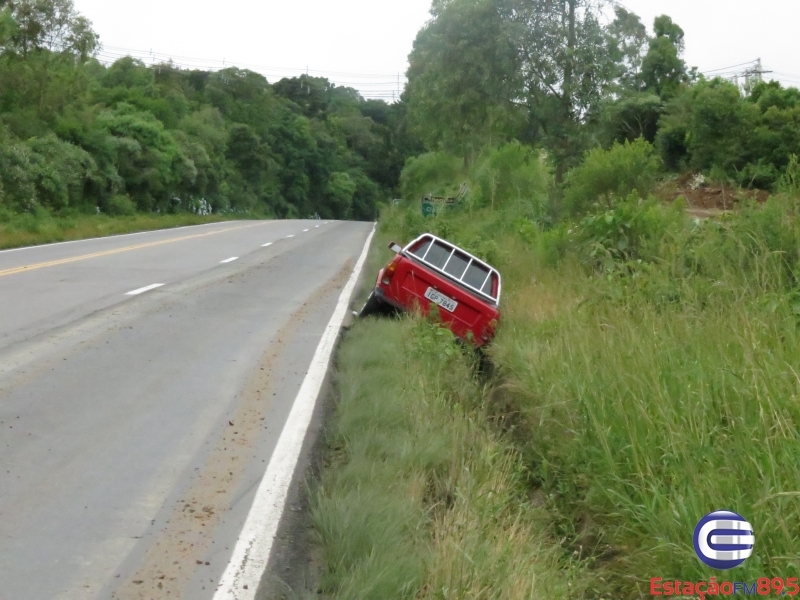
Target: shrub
x: 511, y: 173
x: 432, y: 173
x: 608, y: 174
x: 17, y: 176
x: 120, y: 206
x: 61, y: 171
x: 789, y: 182
x: 713, y: 127
x: 632, y: 230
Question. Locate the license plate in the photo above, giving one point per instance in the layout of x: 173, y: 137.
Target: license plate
x: 446, y: 303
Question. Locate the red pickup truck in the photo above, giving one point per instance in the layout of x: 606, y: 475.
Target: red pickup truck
x: 431, y: 271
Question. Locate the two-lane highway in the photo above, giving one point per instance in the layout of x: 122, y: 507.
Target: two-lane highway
x: 144, y: 382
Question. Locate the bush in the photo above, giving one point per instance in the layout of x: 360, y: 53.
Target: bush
x: 120, y: 206
x: 789, y: 182
x: 434, y: 173
x: 512, y: 173
x: 608, y: 174
x: 713, y: 127
x: 632, y: 230
x: 17, y: 176
x: 61, y: 171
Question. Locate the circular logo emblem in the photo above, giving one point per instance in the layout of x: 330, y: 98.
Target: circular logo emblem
x: 723, y: 540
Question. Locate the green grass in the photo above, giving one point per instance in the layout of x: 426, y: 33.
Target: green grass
x: 640, y: 410
x: 637, y: 388
x: 421, y: 499
x: 33, y: 229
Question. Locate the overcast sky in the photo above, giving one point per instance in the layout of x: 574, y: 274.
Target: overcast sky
x: 365, y: 43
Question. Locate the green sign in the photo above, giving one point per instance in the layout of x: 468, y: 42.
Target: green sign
x: 433, y: 204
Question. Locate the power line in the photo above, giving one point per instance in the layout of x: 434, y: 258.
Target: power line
x: 214, y: 63
x: 728, y: 68
x: 369, y: 85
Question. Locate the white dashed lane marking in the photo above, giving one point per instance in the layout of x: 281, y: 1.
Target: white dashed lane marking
x: 229, y: 260
x: 144, y: 289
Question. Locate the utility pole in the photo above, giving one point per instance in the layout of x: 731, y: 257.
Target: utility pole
x: 753, y: 76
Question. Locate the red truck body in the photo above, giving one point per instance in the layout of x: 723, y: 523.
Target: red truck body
x: 430, y: 271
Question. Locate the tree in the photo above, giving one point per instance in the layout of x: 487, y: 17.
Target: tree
x: 632, y: 116
x: 464, y: 87
x: 77, y: 134
x: 566, y: 69
x: 706, y: 127
x: 53, y: 26
x: 53, y: 39
x: 663, y: 69
x: 628, y: 41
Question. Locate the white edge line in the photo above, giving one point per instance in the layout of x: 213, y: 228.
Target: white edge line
x: 251, y: 553
x: 144, y: 289
x: 119, y: 235
x: 267, y: 245
x: 229, y: 260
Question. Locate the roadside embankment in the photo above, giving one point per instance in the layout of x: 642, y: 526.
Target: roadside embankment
x: 33, y: 229
x: 645, y: 375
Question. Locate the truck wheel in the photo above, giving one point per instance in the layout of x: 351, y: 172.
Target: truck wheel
x: 372, y: 306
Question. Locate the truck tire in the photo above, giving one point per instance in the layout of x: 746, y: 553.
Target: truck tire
x: 372, y: 306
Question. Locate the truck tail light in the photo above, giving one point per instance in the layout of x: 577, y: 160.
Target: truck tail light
x: 489, y: 331
x: 388, y: 272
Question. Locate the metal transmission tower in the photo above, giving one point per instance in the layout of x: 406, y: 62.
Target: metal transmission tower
x: 753, y: 75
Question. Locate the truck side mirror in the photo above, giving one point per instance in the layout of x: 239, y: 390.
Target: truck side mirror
x: 396, y: 248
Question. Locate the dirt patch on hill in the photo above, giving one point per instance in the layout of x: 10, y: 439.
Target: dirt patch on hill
x: 706, y: 198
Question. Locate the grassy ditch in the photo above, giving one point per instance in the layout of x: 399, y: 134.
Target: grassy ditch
x: 648, y: 372
x: 31, y: 229
x: 422, y: 499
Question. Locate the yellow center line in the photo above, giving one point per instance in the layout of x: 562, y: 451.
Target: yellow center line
x: 71, y: 259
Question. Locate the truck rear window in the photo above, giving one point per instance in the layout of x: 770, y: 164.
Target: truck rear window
x: 457, y: 264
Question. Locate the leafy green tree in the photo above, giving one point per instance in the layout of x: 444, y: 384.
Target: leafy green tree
x: 17, y: 176
x: 465, y: 81
x: 567, y: 68
x: 341, y: 189
x: 605, y: 176
x: 706, y: 127
x: 61, y: 171
x: 633, y: 115
x: 148, y: 158
x: 663, y: 69
x: 628, y: 42
x: 53, y: 26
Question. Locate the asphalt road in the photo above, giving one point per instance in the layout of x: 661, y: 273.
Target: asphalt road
x: 135, y: 429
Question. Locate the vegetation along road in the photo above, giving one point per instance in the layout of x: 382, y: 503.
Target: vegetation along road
x: 144, y: 381
x: 644, y: 216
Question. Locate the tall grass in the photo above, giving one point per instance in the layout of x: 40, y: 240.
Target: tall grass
x: 30, y: 229
x: 658, y: 392
x: 647, y: 373
x: 422, y: 500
